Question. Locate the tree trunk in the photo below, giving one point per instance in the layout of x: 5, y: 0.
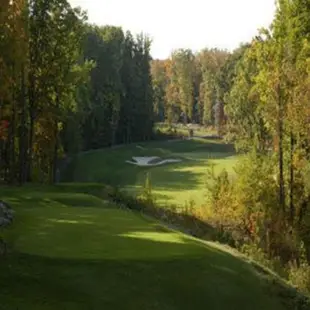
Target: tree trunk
x: 32, y: 102
x: 56, y: 146
x: 55, y: 157
x: 281, y: 159
x: 30, y: 148
x: 11, y: 146
x: 292, y: 207
x: 23, y: 133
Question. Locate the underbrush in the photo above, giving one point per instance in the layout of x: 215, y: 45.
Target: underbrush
x: 248, y: 210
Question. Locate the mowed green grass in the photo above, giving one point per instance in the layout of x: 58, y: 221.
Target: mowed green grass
x: 172, y: 184
x: 72, y: 250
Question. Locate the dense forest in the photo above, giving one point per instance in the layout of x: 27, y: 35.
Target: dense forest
x: 191, y: 87
x: 66, y: 86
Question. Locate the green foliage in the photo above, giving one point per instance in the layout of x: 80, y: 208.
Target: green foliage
x: 186, y: 85
x: 246, y: 123
x: 76, y: 87
x: 268, y: 116
x: 253, y: 251
x: 42, y: 85
x: 218, y: 186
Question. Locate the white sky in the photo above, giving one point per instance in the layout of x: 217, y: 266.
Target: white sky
x: 191, y: 24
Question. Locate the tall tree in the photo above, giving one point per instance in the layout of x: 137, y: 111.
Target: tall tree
x: 159, y: 79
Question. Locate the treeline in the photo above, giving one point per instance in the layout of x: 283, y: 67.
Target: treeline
x: 192, y: 87
x: 66, y: 86
x: 116, y: 105
x: 259, y: 98
x: 268, y: 118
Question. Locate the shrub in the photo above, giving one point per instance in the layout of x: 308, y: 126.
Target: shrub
x: 147, y: 189
x: 256, y: 253
x: 299, y: 272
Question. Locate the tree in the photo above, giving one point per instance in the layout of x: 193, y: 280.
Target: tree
x: 267, y: 104
x: 159, y: 81
x: 245, y: 120
x: 55, y: 31
x: 184, y: 71
x: 120, y: 108
x: 210, y: 62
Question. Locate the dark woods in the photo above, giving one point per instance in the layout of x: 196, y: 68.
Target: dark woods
x: 66, y: 86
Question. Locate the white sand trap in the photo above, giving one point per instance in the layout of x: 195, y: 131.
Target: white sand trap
x: 147, y: 161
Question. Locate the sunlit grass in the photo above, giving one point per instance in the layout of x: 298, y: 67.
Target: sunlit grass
x: 155, y: 236
x: 172, y: 184
x: 87, y: 255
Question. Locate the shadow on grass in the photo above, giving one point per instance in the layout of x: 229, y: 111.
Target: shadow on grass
x: 126, y: 270
x: 97, y: 258
x: 65, y: 195
x: 109, y: 165
x: 36, y: 282
x: 201, y: 145
x: 179, y: 218
x: 173, y: 177
x: 102, y: 197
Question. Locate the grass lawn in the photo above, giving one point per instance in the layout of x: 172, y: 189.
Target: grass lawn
x: 172, y: 184
x: 73, y: 250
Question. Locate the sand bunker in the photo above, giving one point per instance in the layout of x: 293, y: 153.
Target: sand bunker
x: 151, y: 161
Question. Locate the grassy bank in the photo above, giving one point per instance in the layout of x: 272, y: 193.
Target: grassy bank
x: 73, y: 249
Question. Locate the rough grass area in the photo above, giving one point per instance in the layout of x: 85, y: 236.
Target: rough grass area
x: 176, y: 183
x: 72, y: 250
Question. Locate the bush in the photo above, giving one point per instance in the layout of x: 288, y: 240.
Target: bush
x: 256, y: 253
x: 299, y: 276
x: 299, y: 272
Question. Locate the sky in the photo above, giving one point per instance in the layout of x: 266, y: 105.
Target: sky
x: 193, y: 24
